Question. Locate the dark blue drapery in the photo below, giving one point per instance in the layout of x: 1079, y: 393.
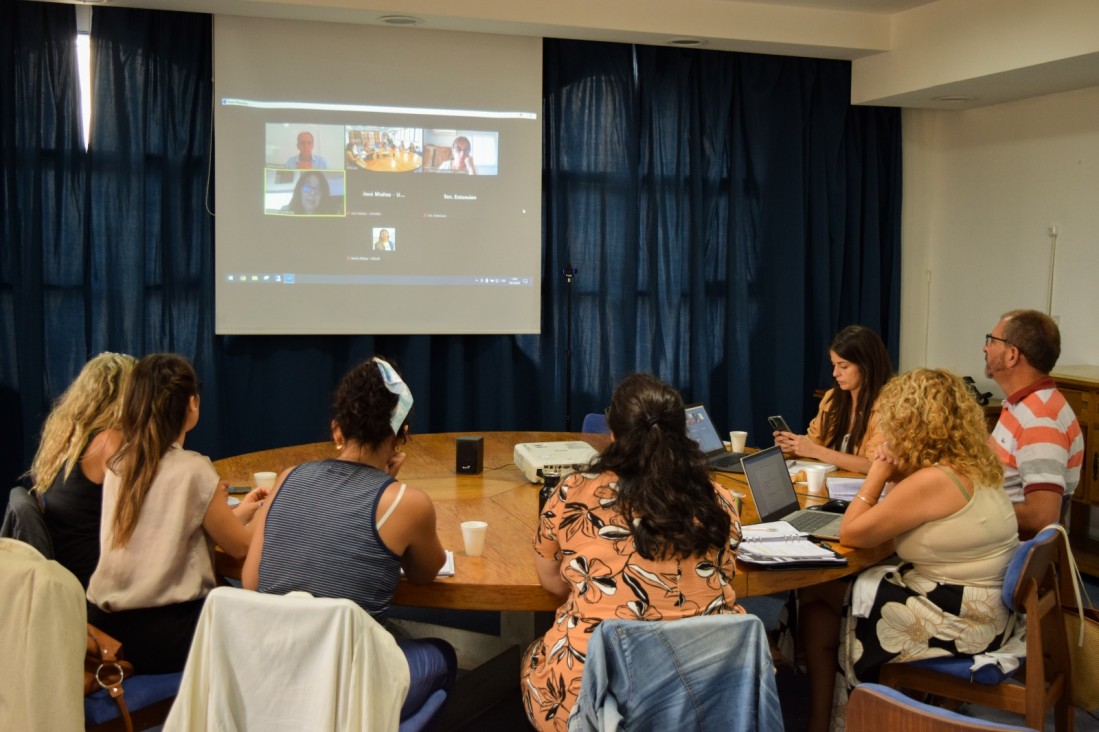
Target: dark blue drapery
x: 726, y: 214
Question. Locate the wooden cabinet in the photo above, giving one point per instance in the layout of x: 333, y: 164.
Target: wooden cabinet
x: 1080, y: 385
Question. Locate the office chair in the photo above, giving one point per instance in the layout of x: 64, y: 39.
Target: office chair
x: 706, y: 672
x: 1031, y: 587
x: 873, y: 707
x: 595, y: 422
x: 292, y: 662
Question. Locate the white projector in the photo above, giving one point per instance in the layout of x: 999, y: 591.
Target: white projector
x: 533, y: 458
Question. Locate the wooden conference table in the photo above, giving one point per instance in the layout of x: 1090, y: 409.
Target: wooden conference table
x: 504, y: 578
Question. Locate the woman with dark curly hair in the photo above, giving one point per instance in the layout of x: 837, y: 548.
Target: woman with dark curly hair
x: 643, y: 534
x: 346, y: 528
x: 845, y: 431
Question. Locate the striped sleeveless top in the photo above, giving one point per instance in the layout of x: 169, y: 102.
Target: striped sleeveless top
x: 321, y: 537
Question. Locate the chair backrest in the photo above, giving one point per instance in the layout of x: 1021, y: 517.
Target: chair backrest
x: 289, y: 662
x: 872, y: 707
x: 42, y: 631
x: 707, y: 672
x: 595, y: 422
x: 24, y: 520
x: 1035, y: 561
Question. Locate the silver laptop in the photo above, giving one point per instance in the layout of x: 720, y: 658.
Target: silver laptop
x: 775, y: 499
x: 700, y: 428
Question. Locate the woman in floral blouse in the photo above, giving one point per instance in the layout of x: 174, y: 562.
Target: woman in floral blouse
x: 643, y: 535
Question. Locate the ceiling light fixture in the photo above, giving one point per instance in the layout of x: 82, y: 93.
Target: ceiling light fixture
x: 400, y: 20
x: 686, y: 42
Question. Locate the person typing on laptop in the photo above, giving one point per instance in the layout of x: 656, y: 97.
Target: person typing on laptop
x: 845, y: 431
x: 955, y: 533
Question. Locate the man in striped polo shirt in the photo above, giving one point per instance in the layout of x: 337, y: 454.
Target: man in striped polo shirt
x: 1037, y: 438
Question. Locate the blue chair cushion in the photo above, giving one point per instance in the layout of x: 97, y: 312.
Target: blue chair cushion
x: 140, y: 692
x: 958, y: 666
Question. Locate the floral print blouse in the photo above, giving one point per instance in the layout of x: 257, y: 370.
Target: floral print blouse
x: 609, y: 579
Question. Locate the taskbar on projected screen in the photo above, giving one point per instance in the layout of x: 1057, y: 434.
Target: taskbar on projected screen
x: 348, y: 279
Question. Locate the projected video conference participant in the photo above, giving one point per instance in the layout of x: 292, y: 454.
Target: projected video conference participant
x: 305, y: 159
x: 313, y: 197
x: 383, y: 243
x: 462, y: 161
x: 355, y: 152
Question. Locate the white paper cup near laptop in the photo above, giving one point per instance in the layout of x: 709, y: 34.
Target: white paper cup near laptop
x: 473, y: 536
x: 738, y: 439
x: 264, y: 479
x: 814, y: 477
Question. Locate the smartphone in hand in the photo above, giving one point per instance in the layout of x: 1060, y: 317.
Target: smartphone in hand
x: 778, y: 424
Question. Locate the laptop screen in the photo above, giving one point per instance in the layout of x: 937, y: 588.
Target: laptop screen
x: 769, y: 480
x: 701, y: 429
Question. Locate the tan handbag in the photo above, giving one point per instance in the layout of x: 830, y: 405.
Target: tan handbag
x: 105, y: 669
x: 1082, y: 629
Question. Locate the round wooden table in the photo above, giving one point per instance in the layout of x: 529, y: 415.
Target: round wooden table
x: 504, y: 578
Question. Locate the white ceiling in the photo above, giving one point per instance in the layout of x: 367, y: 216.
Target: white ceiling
x: 909, y: 53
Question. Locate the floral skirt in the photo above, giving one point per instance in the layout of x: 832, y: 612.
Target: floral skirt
x: 914, y: 618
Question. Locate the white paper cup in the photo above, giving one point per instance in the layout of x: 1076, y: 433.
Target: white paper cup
x: 473, y: 536
x: 814, y: 477
x: 738, y: 440
x: 264, y: 479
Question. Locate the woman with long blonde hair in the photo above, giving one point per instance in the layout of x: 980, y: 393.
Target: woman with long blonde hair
x: 953, y: 528
x: 78, y: 437
x: 162, y: 506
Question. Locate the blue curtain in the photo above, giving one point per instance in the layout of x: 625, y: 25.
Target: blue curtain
x: 42, y: 205
x: 725, y: 215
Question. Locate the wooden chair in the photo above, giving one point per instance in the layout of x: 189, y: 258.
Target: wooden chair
x: 873, y: 707
x: 1030, y: 587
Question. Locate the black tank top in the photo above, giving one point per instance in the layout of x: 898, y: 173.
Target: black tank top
x: 73, y: 509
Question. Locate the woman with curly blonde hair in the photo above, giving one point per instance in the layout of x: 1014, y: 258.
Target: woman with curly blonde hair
x: 79, y: 436
x: 954, y: 531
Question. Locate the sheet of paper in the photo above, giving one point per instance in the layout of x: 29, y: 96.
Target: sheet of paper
x: 447, y: 570
x: 844, y: 488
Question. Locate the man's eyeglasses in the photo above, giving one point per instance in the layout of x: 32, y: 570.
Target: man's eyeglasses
x: 989, y: 338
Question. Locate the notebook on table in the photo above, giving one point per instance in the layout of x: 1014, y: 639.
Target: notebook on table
x: 700, y: 428
x: 773, y: 493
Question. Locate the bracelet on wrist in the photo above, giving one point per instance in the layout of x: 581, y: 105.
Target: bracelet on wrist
x: 864, y: 499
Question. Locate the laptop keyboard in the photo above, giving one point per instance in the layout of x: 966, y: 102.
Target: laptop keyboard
x: 728, y: 460
x: 810, y: 521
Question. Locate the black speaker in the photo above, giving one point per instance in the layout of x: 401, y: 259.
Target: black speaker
x: 471, y: 455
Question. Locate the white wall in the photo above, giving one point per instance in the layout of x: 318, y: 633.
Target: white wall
x: 982, y: 187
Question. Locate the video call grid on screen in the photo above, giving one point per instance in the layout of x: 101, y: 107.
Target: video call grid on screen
x: 384, y: 218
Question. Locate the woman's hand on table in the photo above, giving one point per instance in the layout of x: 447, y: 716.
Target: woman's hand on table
x: 250, y: 504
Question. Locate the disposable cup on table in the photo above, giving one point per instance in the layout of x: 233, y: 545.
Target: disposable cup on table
x: 473, y: 536
x: 264, y: 479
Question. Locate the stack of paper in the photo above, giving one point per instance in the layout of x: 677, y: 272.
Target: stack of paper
x: 778, y: 544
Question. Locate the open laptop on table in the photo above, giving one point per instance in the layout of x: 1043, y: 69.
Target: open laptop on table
x: 700, y: 428
x: 775, y: 499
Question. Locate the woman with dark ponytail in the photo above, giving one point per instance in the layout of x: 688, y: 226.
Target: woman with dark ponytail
x: 644, y: 534
x: 162, y: 508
